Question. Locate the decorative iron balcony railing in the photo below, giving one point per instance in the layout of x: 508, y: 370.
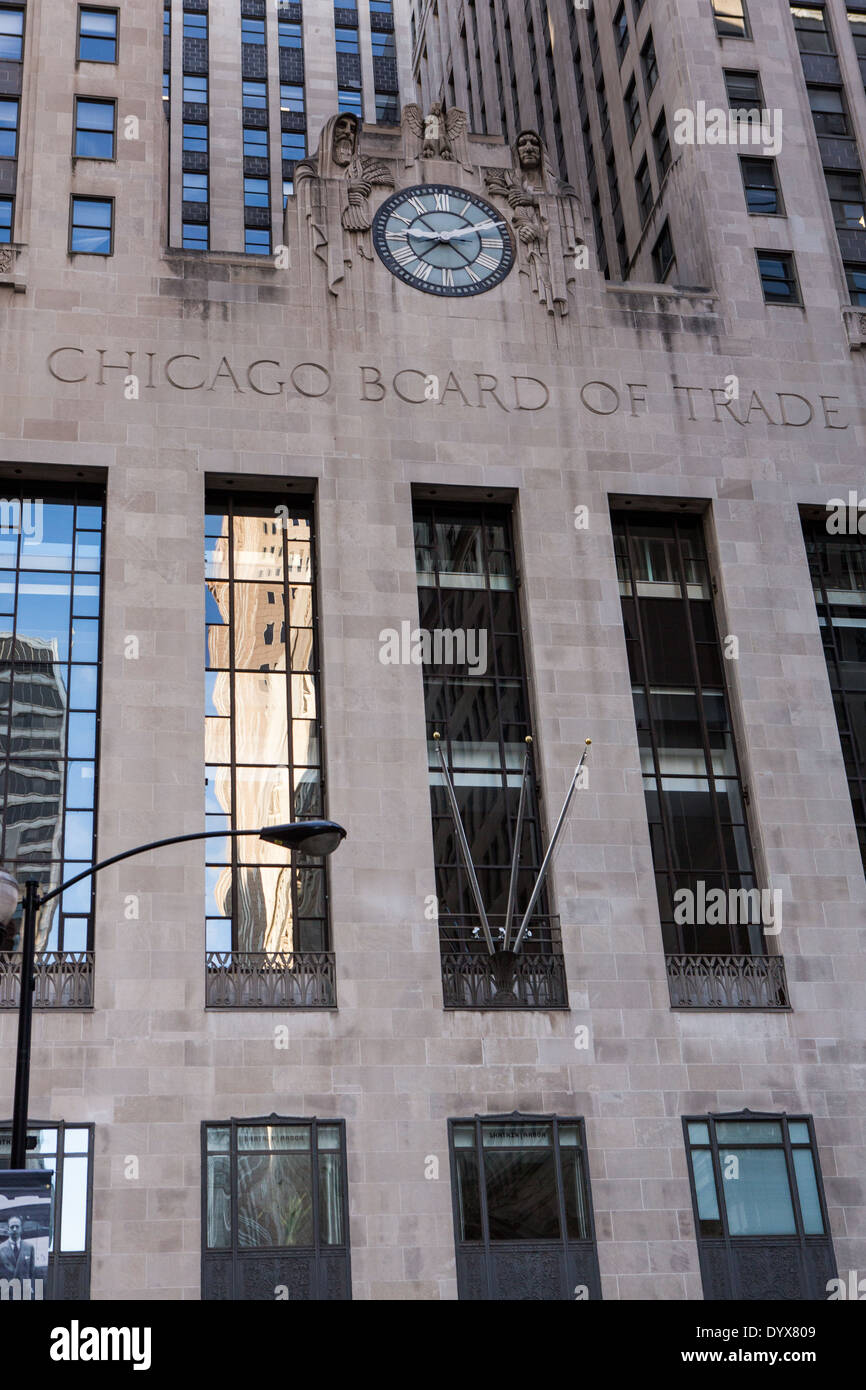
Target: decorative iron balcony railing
x: 63, y: 980
x: 472, y: 978
x: 728, y: 982
x: 270, y: 980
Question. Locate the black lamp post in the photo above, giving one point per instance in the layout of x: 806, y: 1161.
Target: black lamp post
x: 318, y: 837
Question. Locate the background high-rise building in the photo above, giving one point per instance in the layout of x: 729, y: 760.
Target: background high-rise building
x: 247, y: 87
x: 611, y: 86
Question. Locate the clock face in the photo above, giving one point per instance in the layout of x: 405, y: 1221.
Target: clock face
x: 443, y: 240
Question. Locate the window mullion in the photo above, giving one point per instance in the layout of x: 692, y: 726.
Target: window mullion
x: 664, y: 808
x: 234, y: 840
x: 560, y: 1190
x: 702, y: 718
x: 482, y: 1202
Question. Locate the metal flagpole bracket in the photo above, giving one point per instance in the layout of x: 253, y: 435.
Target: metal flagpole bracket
x: 466, y: 853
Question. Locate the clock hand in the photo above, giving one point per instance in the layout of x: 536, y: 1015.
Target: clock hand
x: 452, y: 235
x: 469, y: 231
x: 429, y: 235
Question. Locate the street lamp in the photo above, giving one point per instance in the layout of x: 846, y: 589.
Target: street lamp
x: 318, y: 837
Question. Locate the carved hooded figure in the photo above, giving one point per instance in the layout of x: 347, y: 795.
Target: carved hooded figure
x: 546, y: 218
x: 332, y: 188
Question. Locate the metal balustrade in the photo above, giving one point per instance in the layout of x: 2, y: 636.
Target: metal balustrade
x: 270, y: 980
x: 534, y: 978
x: 727, y: 982
x: 63, y: 980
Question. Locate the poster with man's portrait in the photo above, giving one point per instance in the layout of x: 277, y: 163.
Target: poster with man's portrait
x: 25, y: 1232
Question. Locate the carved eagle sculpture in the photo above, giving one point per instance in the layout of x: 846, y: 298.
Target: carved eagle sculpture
x: 437, y: 133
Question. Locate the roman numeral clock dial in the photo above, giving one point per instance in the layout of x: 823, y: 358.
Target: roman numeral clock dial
x: 443, y: 240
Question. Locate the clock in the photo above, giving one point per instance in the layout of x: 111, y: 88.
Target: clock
x: 443, y: 240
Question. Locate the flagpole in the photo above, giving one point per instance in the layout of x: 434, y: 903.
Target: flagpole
x: 545, y: 865
x: 464, y: 846
x: 518, y: 832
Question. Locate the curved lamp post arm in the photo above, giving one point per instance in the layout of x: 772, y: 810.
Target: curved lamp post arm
x: 140, y: 849
x: 293, y: 835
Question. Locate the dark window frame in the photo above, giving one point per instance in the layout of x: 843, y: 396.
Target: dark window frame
x: 644, y: 190
x: 348, y: 38
x: 633, y: 114
x: 787, y: 258
x: 839, y: 201
x: 22, y: 10
x: 194, y: 148
x: 661, y: 137
x: 752, y: 103
x: 649, y: 64
x: 820, y: 545
x: 295, y: 86
x: 250, y: 25
x: 286, y: 31
x: 202, y: 97
x: 853, y: 268
x: 260, y: 506
x: 196, y: 25
x: 483, y: 515
x: 191, y: 243
x: 98, y: 9
x: 351, y: 100
x: 257, y: 193
x: 663, y: 267
x: 766, y: 162
x: 812, y: 1248
x: 256, y: 145
x: 259, y: 100
x: 75, y: 496
x: 621, y: 32
x: 63, y: 1264
x: 252, y: 245
x: 76, y: 128
x: 10, y: 199
x: 827, y: 30
x: 859, y: 40
x: 486, y: 1246
x: 90, y: 198
x: 703, y: 676
x: 235, y: 1254
x: 387, y: 107
x: 185, y: 188
x: 291, y: 135
x: 15, y: 99
x: 722, y: 19
x: 825, y: 117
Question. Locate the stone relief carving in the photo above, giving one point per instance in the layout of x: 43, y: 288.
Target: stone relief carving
x: 7, y: 259
x: 440, y: 135
x: 334, y: 207
x: 546, y: 217
x: 333, y: 189
x: 855, y: 322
